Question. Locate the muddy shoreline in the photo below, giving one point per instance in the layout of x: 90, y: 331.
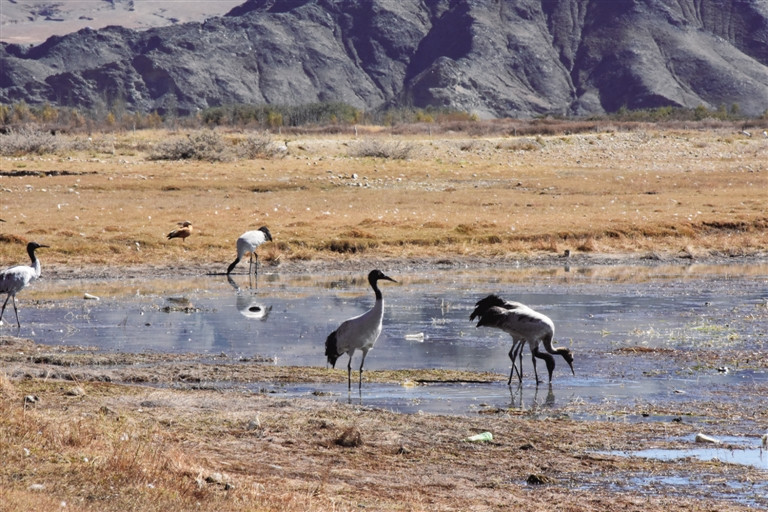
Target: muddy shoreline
x: 348, y: 264
x: 344, y: 454
x: 237, y: 447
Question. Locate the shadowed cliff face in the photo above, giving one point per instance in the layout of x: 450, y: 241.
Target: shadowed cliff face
x: 491, y: 57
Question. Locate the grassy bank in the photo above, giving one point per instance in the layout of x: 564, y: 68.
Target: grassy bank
x: 109, y: 200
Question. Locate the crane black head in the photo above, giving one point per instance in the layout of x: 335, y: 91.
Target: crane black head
x: 568, y: 356
x: 377, y: 275
x: 266, y: 232
x: 32, y: 246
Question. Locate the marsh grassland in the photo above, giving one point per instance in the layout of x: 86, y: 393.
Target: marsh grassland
x: 108, y: 203
x: 74, y: 435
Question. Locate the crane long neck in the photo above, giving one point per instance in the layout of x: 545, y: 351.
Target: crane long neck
x: 375, y: 286
x: 547, y: 342
x: 35, y: 262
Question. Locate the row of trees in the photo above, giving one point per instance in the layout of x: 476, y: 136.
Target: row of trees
x: 71, y: 119
x: 275, y: 117
x: 243, y: 116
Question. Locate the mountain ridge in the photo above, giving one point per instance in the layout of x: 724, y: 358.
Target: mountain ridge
x: 493, y: 58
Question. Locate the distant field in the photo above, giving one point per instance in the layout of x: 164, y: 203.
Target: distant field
x: 34, y: 21
x: 108, y: 200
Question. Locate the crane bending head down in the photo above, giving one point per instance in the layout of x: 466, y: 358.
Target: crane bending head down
x: 525, y: 325
x: 247, y: 243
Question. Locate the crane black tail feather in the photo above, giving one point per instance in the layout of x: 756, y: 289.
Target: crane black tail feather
x: 491, y: 318
x: 483, y: 305
x: 331, y: 350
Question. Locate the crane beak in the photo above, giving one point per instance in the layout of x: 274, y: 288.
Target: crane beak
x: 572, y: 371
x: 388, y: 279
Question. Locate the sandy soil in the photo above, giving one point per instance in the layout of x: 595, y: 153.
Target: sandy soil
x: 356, y: 265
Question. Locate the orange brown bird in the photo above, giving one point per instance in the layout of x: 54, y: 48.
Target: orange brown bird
x: 183, y: 232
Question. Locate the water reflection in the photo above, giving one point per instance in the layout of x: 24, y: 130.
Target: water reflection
x: 735, y: 450
x: 247, y: 303
x: 518, y: 391
x: 251, y: 307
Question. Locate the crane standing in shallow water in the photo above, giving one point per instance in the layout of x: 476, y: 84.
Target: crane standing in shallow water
x: 524, y: 325
x: 15, y: 279
x: 358, y: 333
x: 247, y: 243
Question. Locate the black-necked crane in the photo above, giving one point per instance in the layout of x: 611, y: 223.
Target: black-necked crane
x: 15, y: 279
x: 525, y: 325
x: 183, y: 231
x: 247, y: 243
x: 358, y: 333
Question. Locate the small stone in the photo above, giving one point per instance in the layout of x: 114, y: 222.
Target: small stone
x: 703, y: 438
x: 76, y: 391
x: 350, y: 438
x: 534, y: 479
x: 215, y: 478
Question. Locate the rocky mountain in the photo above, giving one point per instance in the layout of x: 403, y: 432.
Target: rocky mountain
x: 495, y: 58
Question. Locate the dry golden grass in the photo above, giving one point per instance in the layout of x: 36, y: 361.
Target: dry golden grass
x: 695, y: 193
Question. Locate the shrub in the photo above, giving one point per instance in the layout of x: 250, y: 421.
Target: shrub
x: 260, y: 145
x: 207, y: 145
x: 28, y: 141
x: 377, y: 148
x: 347, y: 246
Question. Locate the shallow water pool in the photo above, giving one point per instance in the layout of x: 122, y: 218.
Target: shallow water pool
x: 598, y: 312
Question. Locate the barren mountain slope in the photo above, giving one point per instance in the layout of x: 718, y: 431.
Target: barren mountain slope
x: 493, y: 58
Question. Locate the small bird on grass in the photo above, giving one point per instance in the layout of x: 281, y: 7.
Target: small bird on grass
x: 182, y: 232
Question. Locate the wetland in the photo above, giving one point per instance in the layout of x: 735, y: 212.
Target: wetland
x: 662, y: 352
x: 143, y: 379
